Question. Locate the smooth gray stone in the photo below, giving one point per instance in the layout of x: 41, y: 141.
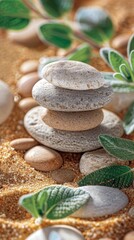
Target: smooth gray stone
x: 104, y: 201
x: 73, y: 75
x: 70, y: 141
x: 60, y: 99
x: 56, y: 232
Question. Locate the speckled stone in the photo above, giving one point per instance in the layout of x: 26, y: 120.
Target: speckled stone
x: 43, y: 158
x: 92, y: 161
x: 104, y: 201
x: 73, y: 75
x: 61, y: 231
x: 65, y: 141
x: 73, y: 121
x: 58, y: 99
x: 6, y: 101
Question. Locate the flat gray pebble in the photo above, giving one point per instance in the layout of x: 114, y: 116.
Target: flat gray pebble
x: 58, y: 99
x: 104, y: 201
x: 70, y: 141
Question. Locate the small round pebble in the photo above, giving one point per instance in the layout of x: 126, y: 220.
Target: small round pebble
x: 131, y: 212
x: 129, y: 236
x: 105, y: 238
x: 92, y: 161
x: 68, y: 141
x: 23, y: 143
x: 27, y: 103
x: 6, y: 101
x: 63, y: 175
x: 29, y: 66
x: 43, y: 158
x: 58, y: 232
x: 120, y: 41
x: 73, y: 121
x: 58, y: 99
x: 73, y: 75
x: 104, y: 201
x: 26, y: 83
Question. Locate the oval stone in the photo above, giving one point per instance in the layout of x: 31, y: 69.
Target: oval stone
x: 129, y: 236
x: 73, y: 121
x: 27, y: 36
x: 27, y: 103
x: 63, y: 175
x: 66, y: 141
x: 58, y: 99
x: 104, y: 201
x: 6, y: 101
x: 23, y: 143
x: 29, y: 66
x: 26, y: 83
x: 43, y: 158
x: 73, y: 75
x: 57, y: 232
x: 92, y: 161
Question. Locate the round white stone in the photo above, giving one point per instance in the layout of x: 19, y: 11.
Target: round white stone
x: 6, y: 102
x: 70, y: 141
x: 57, y: 232
x: 58, y: 99
x: 73, y: 75
x: 92, y: 161
x: 104, y: 201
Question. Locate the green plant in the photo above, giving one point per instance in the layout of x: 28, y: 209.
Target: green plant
x: 123, y: 78
x: 54, y: 202
x: 91, y: 25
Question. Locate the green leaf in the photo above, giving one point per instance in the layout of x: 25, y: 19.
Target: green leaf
x: 13, y: 14
x: 57, y: 34
x: 119, y: 76
x: 95, y: 23
x: 116, y: 59
x: 82, y: 54
x: 132, y: 60
x: 128, y: 121
x: 118, y: 147
x: 113, y: 176
x: 123, y: 87
x: 104, y: 55
x: 54, y: 202
x: 130, y: 46
x: 125, y: 72
x: 56, y: 8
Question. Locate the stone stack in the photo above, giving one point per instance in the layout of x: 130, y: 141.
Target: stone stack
x: 71, y: 118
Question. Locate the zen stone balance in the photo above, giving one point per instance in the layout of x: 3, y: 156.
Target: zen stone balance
x: 70, y: 117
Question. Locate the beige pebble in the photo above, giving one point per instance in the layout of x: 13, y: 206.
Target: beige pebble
x: 73, y: 121
x: 63, y: 175
x: 120, y: 41
x: 28, y: 36
x: 26, y: 83
x: 27, y: 103
x: 129, y: 236
x: 43, y: 158
x: 105, y: 238
x: 92, y: 161
x: 23, y: 143
x: 131, y: 212
x: 29, y: 66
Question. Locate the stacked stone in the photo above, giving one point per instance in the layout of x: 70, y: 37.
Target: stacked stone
x: 71, y: 118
